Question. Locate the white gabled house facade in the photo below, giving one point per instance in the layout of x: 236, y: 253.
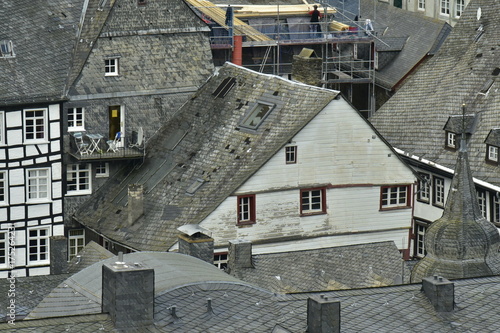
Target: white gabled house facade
x: 31, y: 205
x: 335, y: 183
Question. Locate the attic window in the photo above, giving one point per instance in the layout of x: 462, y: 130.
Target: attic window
x: 479, y: 33
x: 257, y: 115
x: 195, y: 186
x: 224, y: 87
x: 6, y: 49
x: 142, y: 2
x: 486, y: 87
x: 101, y: 5
x: 451, y: 140
x: 492, y: 146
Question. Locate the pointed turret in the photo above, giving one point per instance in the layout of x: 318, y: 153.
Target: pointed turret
x: 462, y: 243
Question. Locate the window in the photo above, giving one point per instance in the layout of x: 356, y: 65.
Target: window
x: 451, y: 140
x: 445, y: 7
x: 492, y: 154
x: 102, y: 169
x: 3, y: 187
x: 424, y: 188
x: 4, y: 249
x: 111, y: 67
x: 421, y: 4
x: 420, y: 240
x: 495, y: 208
x: 224, y: 87
x: 460, y: 5
x: 38, y: 243
x: 220, y: 260
x: 76, y: 119
x: 438, y: 191
x: 76, y: 243
x: 481, y: 198
x: 6, y: 49
x: 2, y: 128
x: 35, y: 125
x: 313, y: 201
x: 291, y: 154
x: 38, y: 184
x: 256, y: 116
x: 246, y: 209
x: 395, y: 197
x: 142, y: 2
x: 78, y: 179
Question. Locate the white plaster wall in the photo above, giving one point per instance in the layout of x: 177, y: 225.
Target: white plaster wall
x: 13, y: 119
x: 38, y: 210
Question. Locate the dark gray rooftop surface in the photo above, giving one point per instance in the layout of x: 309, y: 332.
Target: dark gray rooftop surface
x: 43, y: 35
x: 89, y: 255
x: 204, y: 140
x: 414, y: 118
x: 346, y: 267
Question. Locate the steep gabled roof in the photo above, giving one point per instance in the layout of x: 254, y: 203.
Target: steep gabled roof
x: 203, y: 154
x: 43, y: 36
x: 413, y: 119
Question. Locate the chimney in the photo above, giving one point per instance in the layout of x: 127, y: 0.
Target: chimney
x: 440, y: 292
x: 135, y: 202
x: 58, y: 255
x: 323, y: 315
x: 307, y: 67
x: 196, y: 242
x: 239, y: 255
x: 128, y: 294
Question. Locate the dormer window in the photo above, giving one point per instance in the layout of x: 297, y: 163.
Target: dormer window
x: 6, y: 49
x: 492, y: 145
x: 451, y: 140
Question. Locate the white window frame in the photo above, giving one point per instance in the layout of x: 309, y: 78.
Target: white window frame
x: 421, y: 5
x: 481, y: 199
x: 495, y: 214
x: 76, y: 119
x: 102, y: 166
x: 444, y: 7
x: 493, y: 153
x: 420, y: 240
x: 4, y: 188
x: 42, y: 245
x: 424, y: 188
x: 38, y: 184
x: 313, y: 201
x: 2, y: 128
x: 37, y: 121
x: 459, y: 8
x: 76, y: 242
x: 4, y: 247
x: 438, y: 189
x: 291, y: 154
x: 451, y: 140
x: 79, y: 173
x: 220, y: 260
x: 397, y: 196
x: 111, y: 67
x: 7, y: 49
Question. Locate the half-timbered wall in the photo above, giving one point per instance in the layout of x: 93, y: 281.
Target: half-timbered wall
x: 31, y: 206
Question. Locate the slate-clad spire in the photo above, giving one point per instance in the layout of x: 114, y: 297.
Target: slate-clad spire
x: 462, y: 243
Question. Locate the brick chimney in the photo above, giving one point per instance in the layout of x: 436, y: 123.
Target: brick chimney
x: 239, y: 255
x: 128, y: 294
x: 440, y: 292
x: 58, y: 255
x: 135, y: 202
x: 323, y: 315
x: 196, y: 242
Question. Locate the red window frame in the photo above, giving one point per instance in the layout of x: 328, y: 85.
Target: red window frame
x: 242, y: 202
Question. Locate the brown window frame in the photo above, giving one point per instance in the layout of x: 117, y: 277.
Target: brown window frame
x: 397, y: 206
x: 252, y: 213
x: 322, y: 202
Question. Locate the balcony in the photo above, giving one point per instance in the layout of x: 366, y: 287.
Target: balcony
x: 94, y: 147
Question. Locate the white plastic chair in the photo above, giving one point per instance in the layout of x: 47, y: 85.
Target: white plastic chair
x: 140, y: 139
x: 113, y: 144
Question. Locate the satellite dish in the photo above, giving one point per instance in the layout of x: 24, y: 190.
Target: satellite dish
x: 478, y: 13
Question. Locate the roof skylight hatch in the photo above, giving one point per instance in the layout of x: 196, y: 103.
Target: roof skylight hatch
x: 257, y: 114
x: 7, y: 49
x: 224, y: 88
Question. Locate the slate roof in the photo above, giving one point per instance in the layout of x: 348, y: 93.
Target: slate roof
x: 89, y: 255
x: 29, y: 292
x: 346, y: 267
x: 414, y: 118
x: 203, y: 144
x: 43, y: 35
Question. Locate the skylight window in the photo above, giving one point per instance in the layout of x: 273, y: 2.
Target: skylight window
x: 257, y: 115
x: 6, y: 49
x: 224, y: 87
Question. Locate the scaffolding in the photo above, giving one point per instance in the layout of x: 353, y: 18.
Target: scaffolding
x: 272, y: 37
